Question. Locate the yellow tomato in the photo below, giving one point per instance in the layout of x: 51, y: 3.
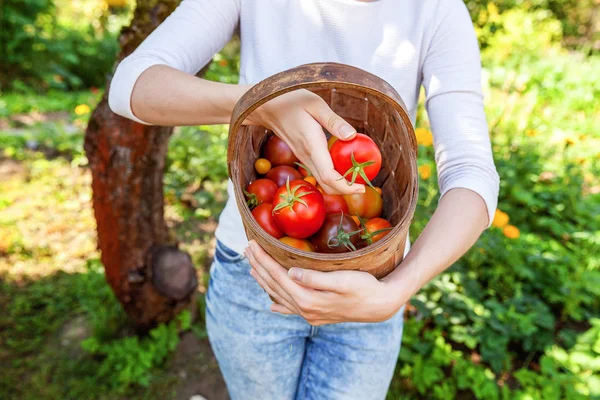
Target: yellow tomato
x: 262, y: 166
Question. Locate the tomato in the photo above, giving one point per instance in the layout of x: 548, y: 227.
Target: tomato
x: 278, y: 152
x: 263, y: 214
x: 356, y: 219
x: 298, y: 209
x: 262, y: 166
x: 375, y: 230
x: 260, y: 191
x: 366, y: 205
x: 311, y: 179
x: 300, y: 244
x: 335, y: 203
x: 303, y: 169
x: 339, y: 234
x: 331, y: 141
x: 281, y: 174
x: 378, y: 189
x: 359, y: 157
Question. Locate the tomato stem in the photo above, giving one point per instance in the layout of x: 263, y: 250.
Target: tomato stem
x: 342, y: 237
x: 291, y: 198
x: 358, y: 169
x: 252, y: 200
x: 305, y: 167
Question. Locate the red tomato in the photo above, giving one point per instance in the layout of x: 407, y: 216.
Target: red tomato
x: 335, y: 203
x: 359, y: 157
x: 303, y: 169
x: 260, y: 191
x: 298, y: 209
x: 375, y: 230
x: 300, y: 244
x: 263, y: 214
x: 278, y: 152
x: 339, y: 234
x: 367, y: 205
x: 281, y: 174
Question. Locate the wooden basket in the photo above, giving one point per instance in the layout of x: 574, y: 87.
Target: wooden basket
x: 374, y: 108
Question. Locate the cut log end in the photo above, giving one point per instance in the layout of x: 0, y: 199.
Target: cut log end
x: 173, y: 274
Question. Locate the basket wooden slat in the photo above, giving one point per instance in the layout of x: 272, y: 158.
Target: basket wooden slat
x: 373, y: 107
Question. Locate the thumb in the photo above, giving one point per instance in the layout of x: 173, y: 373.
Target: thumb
x: 332, y: 122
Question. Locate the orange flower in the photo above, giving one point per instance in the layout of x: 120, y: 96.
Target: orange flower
x: 82, y: 109
x: 425, y: 171
x: 500, y: 219
x: 511, y: 232
x: 424, y: 137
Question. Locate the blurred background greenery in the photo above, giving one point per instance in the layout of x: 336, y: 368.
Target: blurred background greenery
x: 517, y: 318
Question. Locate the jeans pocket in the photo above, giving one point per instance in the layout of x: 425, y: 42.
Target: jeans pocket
x: 226, y: 255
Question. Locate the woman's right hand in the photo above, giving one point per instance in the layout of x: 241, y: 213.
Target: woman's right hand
x: 298, y: 118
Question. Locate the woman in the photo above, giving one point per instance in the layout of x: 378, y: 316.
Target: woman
x: 328, y: 335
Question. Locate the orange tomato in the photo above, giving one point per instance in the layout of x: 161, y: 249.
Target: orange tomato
x: 378, y: 190
x: 262, y: 166
x: 311, y: 179
x: 366, y: 205
x: 375, y: 230
x: 356, y: 219
x: 300, y: 244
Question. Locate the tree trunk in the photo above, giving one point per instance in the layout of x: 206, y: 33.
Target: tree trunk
x: 149, y: 275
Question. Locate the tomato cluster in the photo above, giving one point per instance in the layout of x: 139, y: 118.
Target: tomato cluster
x: 289, y: 205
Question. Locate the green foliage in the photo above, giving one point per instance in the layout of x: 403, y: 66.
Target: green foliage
x: 517, y: 318
x: 575, y: 18
x: 130, y: 360
x: 57, y: 44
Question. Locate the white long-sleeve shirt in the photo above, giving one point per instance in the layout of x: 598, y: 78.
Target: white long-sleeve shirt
x: 408, y: 43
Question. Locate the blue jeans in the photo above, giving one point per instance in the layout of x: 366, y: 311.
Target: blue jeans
x: 265, y: 355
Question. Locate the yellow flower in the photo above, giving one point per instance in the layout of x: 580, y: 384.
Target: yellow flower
x: 425, y: 171
x: 424, y: 137
x: 511, y: 232
x: 531, y: 133
x: 82, y: 109
x: 581, y: 161
x: 500, y: 219
x: 570, y: 141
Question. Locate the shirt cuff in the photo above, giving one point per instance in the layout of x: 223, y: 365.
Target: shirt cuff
x: 122, y: 84
x: 487, y: 192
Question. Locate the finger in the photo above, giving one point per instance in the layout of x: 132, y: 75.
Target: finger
x: 335, y: 124
x: 274, y: 296
x: 278, y: 308
x: 277, y: 273
x: 334, y: 281
x: 266, y: 281
x: 322, y: 168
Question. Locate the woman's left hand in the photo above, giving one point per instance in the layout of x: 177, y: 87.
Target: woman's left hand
x: 324, y: 297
